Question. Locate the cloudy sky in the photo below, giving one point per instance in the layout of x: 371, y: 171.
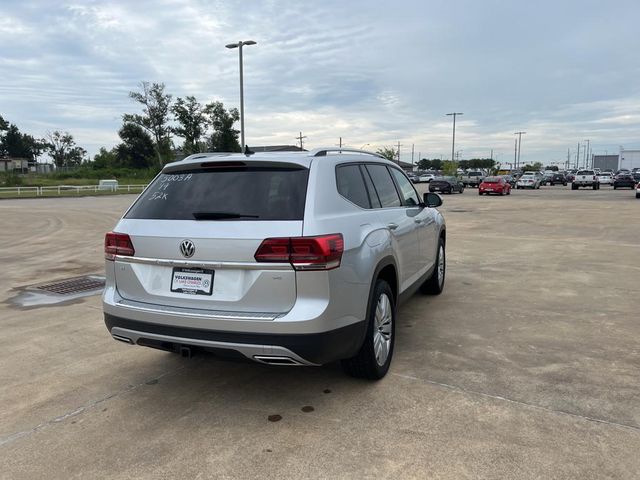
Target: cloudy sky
x: 373, y: 72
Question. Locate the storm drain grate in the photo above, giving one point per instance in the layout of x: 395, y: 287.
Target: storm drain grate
x: 73, y: 285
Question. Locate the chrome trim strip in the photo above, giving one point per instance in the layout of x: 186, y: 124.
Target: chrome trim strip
x: 197, y: 312
x: 203, y: 264
x: 248, y: 350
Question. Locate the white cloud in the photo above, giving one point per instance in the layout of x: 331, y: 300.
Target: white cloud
x: 369, y: 71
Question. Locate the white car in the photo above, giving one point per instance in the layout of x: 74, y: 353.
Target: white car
x: 605, y: 179
x: 290, y: 258
x: 529, y: 180
x: 426, y: 177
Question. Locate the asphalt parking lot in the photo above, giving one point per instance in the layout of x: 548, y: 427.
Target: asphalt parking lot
x: 526, y: 367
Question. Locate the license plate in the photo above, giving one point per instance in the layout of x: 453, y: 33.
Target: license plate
x: 192, y: 281
x: 436, y: 189
x: 489, y: 189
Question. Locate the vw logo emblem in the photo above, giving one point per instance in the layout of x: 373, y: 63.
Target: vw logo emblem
x: 187, y: 248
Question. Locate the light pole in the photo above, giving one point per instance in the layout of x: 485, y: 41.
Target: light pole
x: 586, y: 154
x: 239, y: 46
x: 453, y: 143
x: 519, y: 143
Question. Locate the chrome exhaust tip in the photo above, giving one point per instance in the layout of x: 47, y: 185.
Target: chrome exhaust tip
x: 276, y: 360
x: 122, y: 339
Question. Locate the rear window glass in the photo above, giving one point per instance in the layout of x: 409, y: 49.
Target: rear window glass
x: 492, y: 180
x: 244, y: 193
x: 585, y: 172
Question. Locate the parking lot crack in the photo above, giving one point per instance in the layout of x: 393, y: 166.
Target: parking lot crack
x: 520, y: 403
x: 7, y: 439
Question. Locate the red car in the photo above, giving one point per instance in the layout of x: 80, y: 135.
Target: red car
x: 494, y: 185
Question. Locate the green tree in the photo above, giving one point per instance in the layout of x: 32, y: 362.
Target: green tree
x: 137, y: 149
x: 389, y: 153
x: 436, y: 164
x: 156, y: 106
x: 105, y: 159
x: 192, y: 123
x: 224, y: 137
x: 424, y: 164
x: 63, y: 149
x: 450, y: 168
x: 532, y: 168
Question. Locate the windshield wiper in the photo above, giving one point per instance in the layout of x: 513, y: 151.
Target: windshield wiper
x: 221, y: 215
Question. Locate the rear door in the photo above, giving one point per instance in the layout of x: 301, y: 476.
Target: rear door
x: 423, y: 218
x: 399, y: 219
x: 222, y: 213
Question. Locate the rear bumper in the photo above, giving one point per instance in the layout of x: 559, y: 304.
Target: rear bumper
x: 302, y: 349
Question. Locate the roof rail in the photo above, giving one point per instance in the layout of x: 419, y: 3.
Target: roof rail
x: 322, y: 152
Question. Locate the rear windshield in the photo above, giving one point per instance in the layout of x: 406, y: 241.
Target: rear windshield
x: 585, y: 172
x: 492, y: 180
x: 240, y: 193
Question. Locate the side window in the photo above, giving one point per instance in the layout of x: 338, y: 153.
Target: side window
x: 351, y: 185
x: 408, y: 193
x: 373, y: 196
x: 383, y: 183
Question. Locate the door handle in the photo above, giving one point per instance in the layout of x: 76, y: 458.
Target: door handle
x: 392, y: 226
x: 417, y: 220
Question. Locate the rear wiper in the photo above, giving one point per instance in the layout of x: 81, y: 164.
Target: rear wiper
x: 220, y: 215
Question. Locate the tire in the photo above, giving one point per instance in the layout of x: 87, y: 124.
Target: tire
x: 509, y: 192
x: 381, y: 318
x: 594, y: 187
x: 479, y: 193
x: 615, y: 188
x: 574, y: 186
x: 450, y: 191
x: 434, y: 285
x: 637, y: 195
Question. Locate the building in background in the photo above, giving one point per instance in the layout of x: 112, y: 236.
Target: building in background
x: 606, y: 162
x: 15, y: 165
x: 629, y: 159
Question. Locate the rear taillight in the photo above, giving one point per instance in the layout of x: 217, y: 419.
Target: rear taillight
x: 117, y: 244
x: 304, y: 253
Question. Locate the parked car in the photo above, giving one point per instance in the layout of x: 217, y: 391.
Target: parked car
x: 638, y: 190
x: 605, y: 179
x: 510, y: 179
x: 494, y: 185
x: 472, y: 179
x: 585, y: 178
x: 426, y: 177
x: 636, y: 176
x: 624, y: 180
x: 291, y: 258
x: 446, y: 185
x: 554, y: 179
x: 529, y: 180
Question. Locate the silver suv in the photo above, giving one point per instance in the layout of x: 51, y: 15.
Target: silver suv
x: 296, y: 258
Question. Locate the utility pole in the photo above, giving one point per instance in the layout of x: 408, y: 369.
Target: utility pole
x: 578, y: 157
x: 453, y: 142
x: 340, y: 144
x: 300, y: 138
x: 491, y: 154
x: 568, y: 158
x: 519, y: 143
x: 412, y: 150
x: 515, y: 155
x: 399, y: 152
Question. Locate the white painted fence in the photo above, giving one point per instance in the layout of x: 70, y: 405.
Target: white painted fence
x: 60, y: 189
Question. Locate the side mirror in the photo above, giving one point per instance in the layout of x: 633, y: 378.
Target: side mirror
x: 432, y: 200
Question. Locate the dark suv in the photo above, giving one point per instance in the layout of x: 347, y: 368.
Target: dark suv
x: 624, y: 180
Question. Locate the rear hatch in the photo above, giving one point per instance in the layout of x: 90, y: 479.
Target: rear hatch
x: 195, y: 231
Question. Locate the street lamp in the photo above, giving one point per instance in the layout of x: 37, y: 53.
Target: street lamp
x: 519, y: 142
x: 239, y: 46
x: 586, y: 154
x: 453, y: 143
